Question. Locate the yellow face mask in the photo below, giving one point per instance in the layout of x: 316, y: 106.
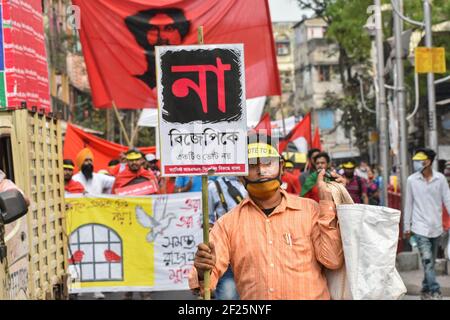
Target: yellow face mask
x: 264, y: 188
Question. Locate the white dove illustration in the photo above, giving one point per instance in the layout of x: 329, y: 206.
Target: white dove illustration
x: 160, y: 220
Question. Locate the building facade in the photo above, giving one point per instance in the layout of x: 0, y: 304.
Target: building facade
x: 283, y: 34
x: 316, y: 63
x: 69, y: 85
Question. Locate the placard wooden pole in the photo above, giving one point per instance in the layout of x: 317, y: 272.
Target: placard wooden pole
x: 136, y: 130
x: 121, y: 124
x: 207, y: 274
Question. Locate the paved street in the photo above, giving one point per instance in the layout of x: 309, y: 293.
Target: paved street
x: 161, y: 295
x: 411, y: 297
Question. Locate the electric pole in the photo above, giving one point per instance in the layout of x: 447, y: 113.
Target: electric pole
x: 382, y: 100
x: 432, y: 120
x: 400, y: 99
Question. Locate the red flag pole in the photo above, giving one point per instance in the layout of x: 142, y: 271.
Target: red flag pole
x: 282, y: 114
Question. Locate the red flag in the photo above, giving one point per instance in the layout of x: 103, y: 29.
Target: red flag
x: 264, y: 124
x: 316, y: 140
x: 300, y: 136
x: 103, y: 150
x: 119, y: 37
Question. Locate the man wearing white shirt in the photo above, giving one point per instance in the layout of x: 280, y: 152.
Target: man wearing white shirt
x: 92, y: 182
x: 426, y: 191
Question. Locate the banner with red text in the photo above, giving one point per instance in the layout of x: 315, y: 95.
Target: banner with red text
x: 23, y: 58
x: 202, y: 112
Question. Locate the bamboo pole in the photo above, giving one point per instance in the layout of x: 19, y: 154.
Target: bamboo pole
x: 207, y: 274
x: 127, y: 138
x: 135, y: 131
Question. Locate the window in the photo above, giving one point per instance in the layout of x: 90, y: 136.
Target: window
x: 286, y: 80
x: 96, y: 253
x: 283, y: 48
x: 6, y: 158
x: 324, y: 73
x: 326, y: 119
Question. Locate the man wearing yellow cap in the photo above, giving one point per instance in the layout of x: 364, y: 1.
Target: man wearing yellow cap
x: 93, y: 183
x: 134, y: 174
x: 356, y: 185
x: 70, y: 186
x: 277, y: 243
x: 426, y: 191
x: 291, y: 182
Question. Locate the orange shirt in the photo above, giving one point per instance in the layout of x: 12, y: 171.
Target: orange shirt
x: 264, y: 264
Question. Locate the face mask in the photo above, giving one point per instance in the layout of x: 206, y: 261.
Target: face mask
x: 418, y: 166
x: 263, y: 188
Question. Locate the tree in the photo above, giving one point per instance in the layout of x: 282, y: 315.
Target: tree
x: 345, y: 19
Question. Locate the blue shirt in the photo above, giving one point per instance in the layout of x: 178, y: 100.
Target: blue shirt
x: 181, y: 182
x: 215, y: 207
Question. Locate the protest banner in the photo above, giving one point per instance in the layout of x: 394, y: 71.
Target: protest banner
x: 23, y: 60
x: 202, y: 118
x: 133, y: 243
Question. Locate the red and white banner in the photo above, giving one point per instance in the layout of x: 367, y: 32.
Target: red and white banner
x: 138, y: 189
x: 119, y: 39
x: 23, y: 58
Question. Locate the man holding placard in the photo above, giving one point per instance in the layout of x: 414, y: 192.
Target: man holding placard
x: 277, y: 244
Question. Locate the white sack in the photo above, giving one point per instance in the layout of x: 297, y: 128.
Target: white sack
x: 369, y: 236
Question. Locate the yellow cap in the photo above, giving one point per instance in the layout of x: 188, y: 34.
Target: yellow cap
x: 420, y: 156
x: 68, y: 166
x: 133, y: 156
x: 288, y: 164
x: 262, y: 150
x: 348, y: 165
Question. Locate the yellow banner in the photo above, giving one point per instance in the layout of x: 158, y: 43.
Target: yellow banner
x: 125, y: 244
